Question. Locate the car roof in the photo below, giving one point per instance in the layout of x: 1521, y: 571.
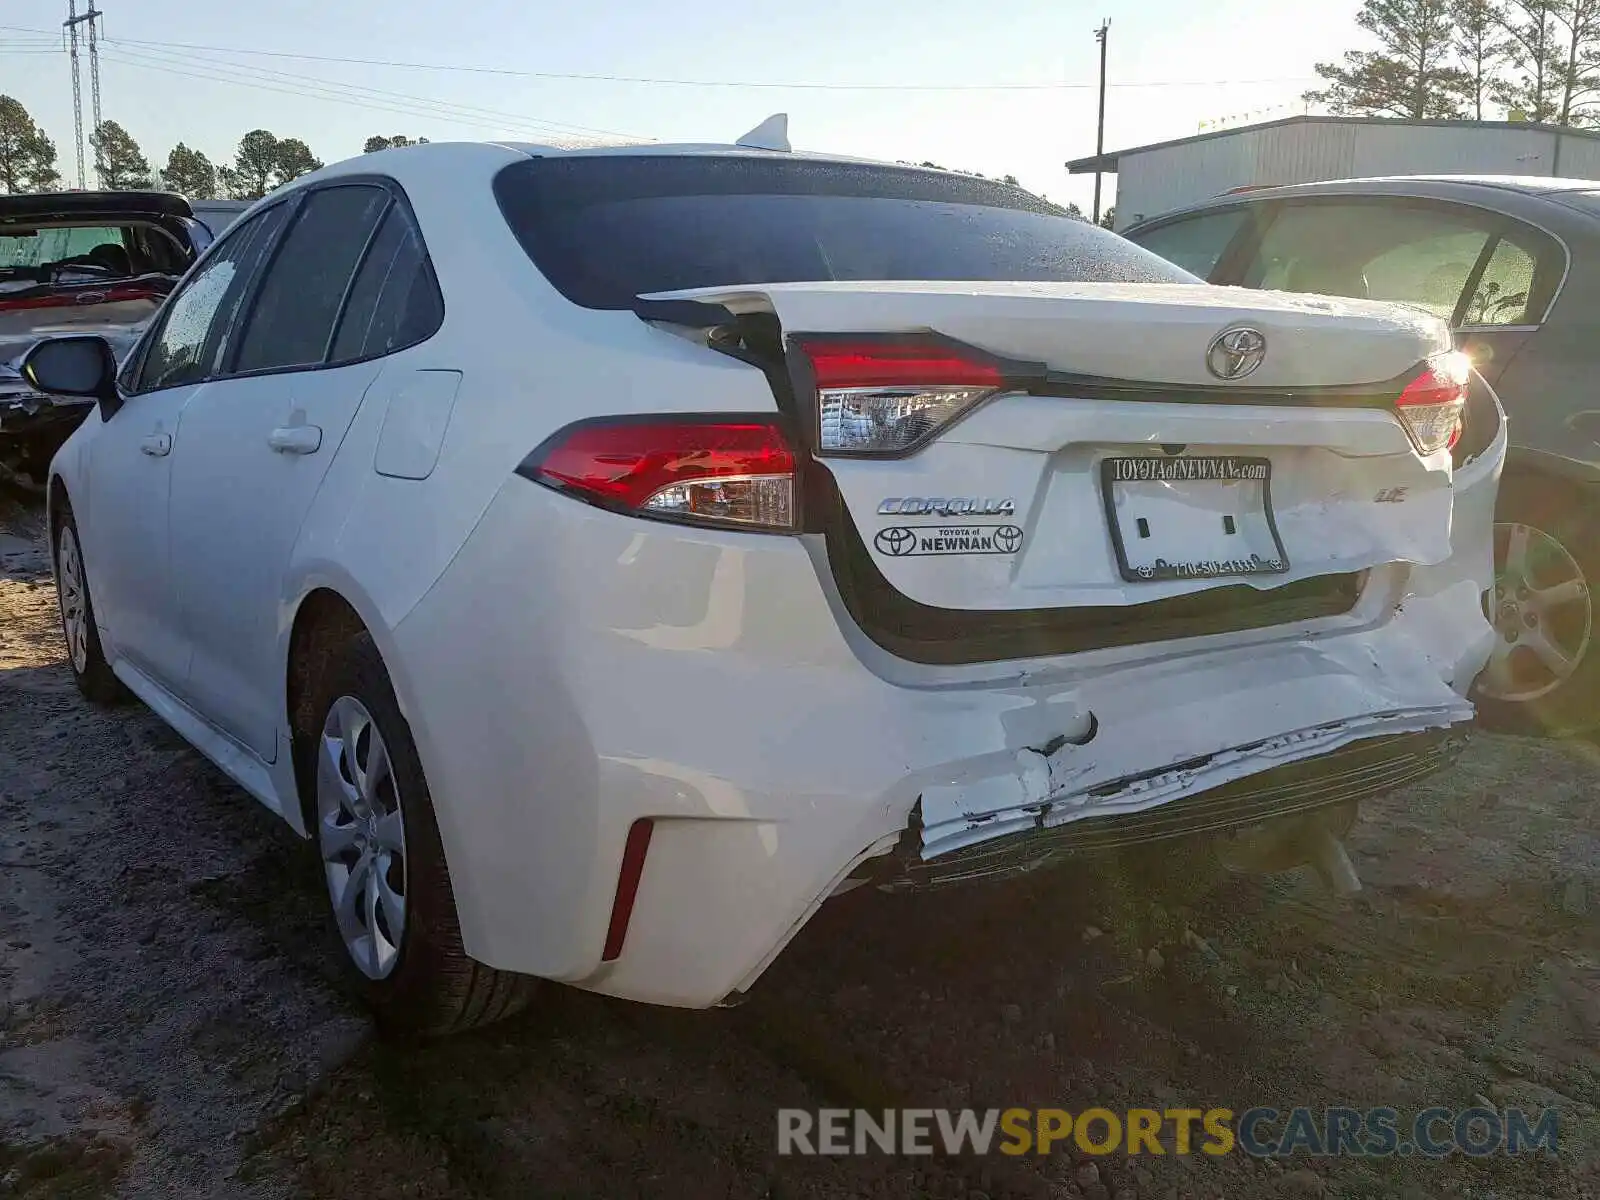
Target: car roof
x: 54, y: 206
x: 1532, y: 185
x: 1439, y: 187
x: 402, y: 159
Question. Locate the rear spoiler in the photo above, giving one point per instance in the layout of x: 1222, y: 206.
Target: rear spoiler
x: 55, y: 206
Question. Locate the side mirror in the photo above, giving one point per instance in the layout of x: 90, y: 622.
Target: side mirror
x: 75, y: 366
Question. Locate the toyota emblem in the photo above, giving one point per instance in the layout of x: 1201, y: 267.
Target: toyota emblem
x: 1235, y: 353
x: 896, y: 541
x: 1007, y: 538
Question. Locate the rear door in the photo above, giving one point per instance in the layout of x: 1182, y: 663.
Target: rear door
x: 256, y: 446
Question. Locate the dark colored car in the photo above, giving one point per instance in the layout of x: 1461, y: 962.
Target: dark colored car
x: 78, y: 262
x: 1514, y: 264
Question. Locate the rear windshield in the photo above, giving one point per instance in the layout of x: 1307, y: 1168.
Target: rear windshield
x: 605, y: 229
x: 36, y: 247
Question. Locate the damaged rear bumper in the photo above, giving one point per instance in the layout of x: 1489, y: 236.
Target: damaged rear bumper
x: 1161, y: 732
x: 1361, y: 770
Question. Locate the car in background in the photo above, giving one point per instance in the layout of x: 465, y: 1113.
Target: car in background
x: 1514, y: 265
x: 217, y: 215
x: 608, y: 555
x: 78, y: 262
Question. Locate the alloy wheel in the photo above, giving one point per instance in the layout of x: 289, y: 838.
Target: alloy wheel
x: 73, y: 599
x: 361, y: 832
x: 1542, y: 614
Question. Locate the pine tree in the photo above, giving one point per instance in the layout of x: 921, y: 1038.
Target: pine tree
x: 190, y: 172
x: 1579, y: 65
x: 1410, y: 75
x: 294, y: 160
x: 251, y: 176
x: 27, y: 156
x: 1481, y: 44
x: 118, y: 162
x: 1535, y: 48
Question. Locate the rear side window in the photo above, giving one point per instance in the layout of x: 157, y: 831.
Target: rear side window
x: 291, y: 322
x: 1505, y: 288
x: 1425, y: 255
x: 1196, y: 243
x: 604, y: 229
x: 394, y: 301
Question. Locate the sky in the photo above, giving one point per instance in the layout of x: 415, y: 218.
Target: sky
x: 1006, y: 87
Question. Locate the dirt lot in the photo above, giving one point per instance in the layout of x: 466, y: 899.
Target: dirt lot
x: 172, y: 1023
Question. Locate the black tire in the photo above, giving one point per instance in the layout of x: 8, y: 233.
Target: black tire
x: 90, y: 670
x: 434, y: 988
x: 1552, y: 509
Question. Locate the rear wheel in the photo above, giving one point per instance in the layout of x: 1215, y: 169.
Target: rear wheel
x: 383, y: 863
x: 1544, y: 674
x: 85, y: 655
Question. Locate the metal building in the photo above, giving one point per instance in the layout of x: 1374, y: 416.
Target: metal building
x: 1158, y: 178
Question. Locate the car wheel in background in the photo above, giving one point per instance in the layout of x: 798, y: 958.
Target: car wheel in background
x: 1544, y: 675
x: 90, y: 670
x: 383, y: 863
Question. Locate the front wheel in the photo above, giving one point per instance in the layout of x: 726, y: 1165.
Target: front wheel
x: 383, y: 863
x: 1544, y: 674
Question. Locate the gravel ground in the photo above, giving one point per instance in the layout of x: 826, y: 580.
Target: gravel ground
x: 172, y: 1022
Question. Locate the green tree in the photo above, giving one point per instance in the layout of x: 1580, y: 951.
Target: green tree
x: 1409, y: 75
x: 118, y: 162
x: 1108, y: 219
x: 1579, y: 65
x: 251, y: 176
x: 27, y: 156
x: 190, y: 172
x: 1481, y: 46
x: 294, y: 160
x: 1535, y: 92
x: 378, y: 142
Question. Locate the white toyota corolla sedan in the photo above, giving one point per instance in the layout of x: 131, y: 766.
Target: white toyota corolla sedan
x: 606, y: 555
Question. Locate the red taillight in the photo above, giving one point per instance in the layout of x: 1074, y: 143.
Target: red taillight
x: 633, y: 854
x: 840, y: 363
x: 890, y: 395
x: 1432, y: 404
x: 722, y: 471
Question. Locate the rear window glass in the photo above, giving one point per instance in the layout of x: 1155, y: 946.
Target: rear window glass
x: 35, y: 247
x: 607, y: 228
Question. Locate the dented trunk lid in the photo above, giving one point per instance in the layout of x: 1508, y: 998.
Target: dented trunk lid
x: 1123, y: 471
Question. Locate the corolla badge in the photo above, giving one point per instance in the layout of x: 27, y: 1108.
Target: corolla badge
x: 1235, y: 353
x: 953, y: 506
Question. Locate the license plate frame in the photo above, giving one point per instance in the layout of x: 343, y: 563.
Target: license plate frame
x: 1120, y: 482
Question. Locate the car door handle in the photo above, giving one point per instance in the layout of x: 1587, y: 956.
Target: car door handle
x: 157, y: 445
x: 296, y: 439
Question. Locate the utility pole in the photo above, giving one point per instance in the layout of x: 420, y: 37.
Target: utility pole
x: 71, y: 25
x: 1100, y: 130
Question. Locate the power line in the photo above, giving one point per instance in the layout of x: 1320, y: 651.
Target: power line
x: 521, y: 125
x: 428, y: 106
x: 670, y: 82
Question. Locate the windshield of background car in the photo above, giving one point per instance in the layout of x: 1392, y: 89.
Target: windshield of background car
x: 608, y: 228
x: 37, y: 247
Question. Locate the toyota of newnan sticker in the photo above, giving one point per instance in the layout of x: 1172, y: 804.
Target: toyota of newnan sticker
x: 905, y: 541
x: 1224, y: 469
